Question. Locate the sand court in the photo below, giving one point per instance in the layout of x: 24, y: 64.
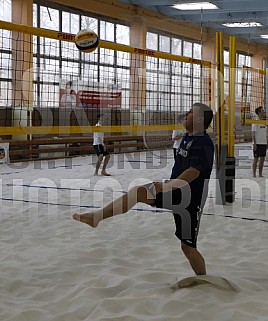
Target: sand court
x: 54, y: 268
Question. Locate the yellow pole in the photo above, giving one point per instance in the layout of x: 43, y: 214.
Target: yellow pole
x: 221, y: 90
x: 231, y: 102
x: 220, y: 86
x: 220, y: 120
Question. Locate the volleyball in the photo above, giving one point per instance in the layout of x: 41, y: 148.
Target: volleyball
x: 86, y: 40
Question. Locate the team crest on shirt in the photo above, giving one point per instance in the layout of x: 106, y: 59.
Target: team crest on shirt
x: 184, y: 151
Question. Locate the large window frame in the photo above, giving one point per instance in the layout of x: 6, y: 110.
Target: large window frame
x: 113, y: 65
x: 5, y: 56
x: 242, y: 59
x: 179, y: 89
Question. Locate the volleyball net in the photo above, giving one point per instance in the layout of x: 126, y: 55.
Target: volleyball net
x: 49, y: 87
x: 254, y: 94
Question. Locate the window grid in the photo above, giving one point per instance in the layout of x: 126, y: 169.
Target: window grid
x: 5, y: 54
x: 182, y: 96
x: 241, y: 59
x: 154, y: 41
x: 102, y: 62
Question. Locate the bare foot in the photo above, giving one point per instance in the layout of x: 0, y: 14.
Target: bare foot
x: 261, y: 176
x: 91, y: 219
x: 105, y: 174
x: 96, y: 174
x: 254, y: 176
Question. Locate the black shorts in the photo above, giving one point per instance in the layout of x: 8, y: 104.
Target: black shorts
x: 186, y: 215
x: 260, y: 151
x: 99, y: 149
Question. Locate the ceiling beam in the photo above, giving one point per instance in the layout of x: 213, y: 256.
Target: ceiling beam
x: 222, y: 18
x: 241, y: 31
x: 174, y: 12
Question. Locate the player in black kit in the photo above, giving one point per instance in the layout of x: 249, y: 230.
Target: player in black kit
x: 184, y: 193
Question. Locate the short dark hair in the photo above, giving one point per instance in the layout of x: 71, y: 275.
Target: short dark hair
x: 207, y: 112
x: 258, y: 110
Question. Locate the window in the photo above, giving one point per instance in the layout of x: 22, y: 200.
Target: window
x: 122, y: 34
x: 107, y: 31
x: 172, y: 85
x: 71, y: 22
x: 241, y: 60
x: 67, y: 62
x: 164, y: 44
x: 152, y: 41
x: 5, y: 10
x: 187, y: 49
x: 176, y: 45
x: 5, y: 56
x: 49, y: 18
x: 89, y: 23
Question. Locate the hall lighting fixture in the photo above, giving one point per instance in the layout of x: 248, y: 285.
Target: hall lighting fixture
x: 242, y: 24
x: 264, y: 36
x: 195, y: 6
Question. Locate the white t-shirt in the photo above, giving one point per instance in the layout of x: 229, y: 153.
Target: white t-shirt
x: 68, y: 100
x: 98, y: 137
x: 260, y: 133
x: 177, y: 141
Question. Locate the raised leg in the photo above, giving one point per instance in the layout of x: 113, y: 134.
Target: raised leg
x: 118, y: 206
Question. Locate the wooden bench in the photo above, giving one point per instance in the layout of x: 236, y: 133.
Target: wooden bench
x: 62, y: 147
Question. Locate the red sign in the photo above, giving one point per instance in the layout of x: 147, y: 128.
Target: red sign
x: 90, y: 98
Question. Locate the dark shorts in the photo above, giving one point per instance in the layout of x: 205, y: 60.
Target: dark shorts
x: 99, y: 149
x: 186, y: 216
x: 260, y: 151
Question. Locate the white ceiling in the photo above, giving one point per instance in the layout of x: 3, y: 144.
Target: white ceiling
x: 229, y: 11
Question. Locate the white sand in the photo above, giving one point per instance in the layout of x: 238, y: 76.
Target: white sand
x: 54, y: 268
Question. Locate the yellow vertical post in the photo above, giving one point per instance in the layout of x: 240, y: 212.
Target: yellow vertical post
x: 220, y: 120
x: 209, y: 88
x: 231, y: 102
